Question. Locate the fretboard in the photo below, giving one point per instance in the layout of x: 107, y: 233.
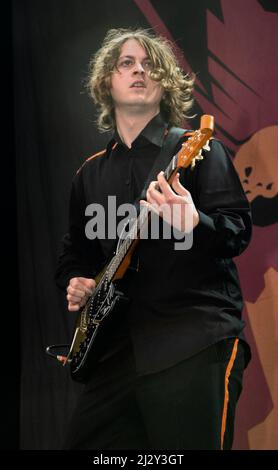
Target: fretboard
x: 134, y: 232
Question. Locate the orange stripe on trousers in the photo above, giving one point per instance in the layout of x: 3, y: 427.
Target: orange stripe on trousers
x: 226, y: 397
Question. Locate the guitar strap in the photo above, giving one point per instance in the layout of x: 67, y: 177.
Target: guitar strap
x: 167, y: 151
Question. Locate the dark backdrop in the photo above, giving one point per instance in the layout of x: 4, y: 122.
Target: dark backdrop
x: 54, y: 132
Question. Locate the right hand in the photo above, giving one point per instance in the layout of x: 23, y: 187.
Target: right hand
x: 78, y: 292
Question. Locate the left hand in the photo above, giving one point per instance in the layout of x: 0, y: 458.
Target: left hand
x: 178, y: 209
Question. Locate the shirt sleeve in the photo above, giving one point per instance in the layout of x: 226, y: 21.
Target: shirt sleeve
x: 225, y: 225
x: 79, y: 257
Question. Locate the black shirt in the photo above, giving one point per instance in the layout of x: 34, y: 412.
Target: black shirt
x: 181, y: 301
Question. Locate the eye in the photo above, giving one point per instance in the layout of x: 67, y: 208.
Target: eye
x: 126, y: 63
x: 147, y: 64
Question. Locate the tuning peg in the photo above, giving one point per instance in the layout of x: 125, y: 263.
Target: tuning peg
x: 199, y: 156
x: 206, y: 146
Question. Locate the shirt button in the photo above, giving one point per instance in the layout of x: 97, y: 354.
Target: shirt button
x: 127, y: 182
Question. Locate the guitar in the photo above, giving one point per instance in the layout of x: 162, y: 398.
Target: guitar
x: 83, y: 351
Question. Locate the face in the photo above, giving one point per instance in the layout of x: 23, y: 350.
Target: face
x: 131, y: 86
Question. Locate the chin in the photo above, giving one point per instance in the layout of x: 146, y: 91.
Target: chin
x: 139, y: 103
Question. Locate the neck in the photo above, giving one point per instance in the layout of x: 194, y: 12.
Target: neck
x: 130, y: 125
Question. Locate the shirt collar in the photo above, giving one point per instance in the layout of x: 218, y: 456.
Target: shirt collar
x: 154, y: 132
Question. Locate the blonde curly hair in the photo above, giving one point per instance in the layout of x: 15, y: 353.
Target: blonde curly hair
x: 177, y: 99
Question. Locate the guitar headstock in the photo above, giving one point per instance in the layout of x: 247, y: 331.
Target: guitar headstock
x: 198, y: 140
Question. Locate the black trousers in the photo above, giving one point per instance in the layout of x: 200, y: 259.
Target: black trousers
x: 188, y: 406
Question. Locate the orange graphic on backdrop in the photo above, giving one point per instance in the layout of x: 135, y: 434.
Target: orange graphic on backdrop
x: 256, y: 163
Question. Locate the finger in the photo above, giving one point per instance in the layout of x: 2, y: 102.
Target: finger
x: 89, y: 283
x: 149, y: 206
x: 178, y: 187
x: 153, y: 185
x: 89, y: 291
x: 72, y: 307
x: 152, y: 202
x: 164, y: 186
x: 154, y: 208
x: 144, y: 205
x: 142, y: 202
x: 74, y: 298
x: 74, y: 291
x: 155, y: 197
x: 77, y: 283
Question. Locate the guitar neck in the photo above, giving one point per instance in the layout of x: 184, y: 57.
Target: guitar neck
x: 133, y: 235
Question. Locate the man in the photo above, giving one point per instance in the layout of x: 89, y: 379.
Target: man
x: 171, y: 370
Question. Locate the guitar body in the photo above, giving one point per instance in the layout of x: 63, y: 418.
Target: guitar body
x: 91, y: 331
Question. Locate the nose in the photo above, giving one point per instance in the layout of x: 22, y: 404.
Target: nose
x: 138, y: 67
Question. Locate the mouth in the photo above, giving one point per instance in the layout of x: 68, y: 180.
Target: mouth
x: 138, y: 84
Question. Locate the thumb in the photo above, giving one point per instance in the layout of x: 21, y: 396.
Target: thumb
x: 88, y: 283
